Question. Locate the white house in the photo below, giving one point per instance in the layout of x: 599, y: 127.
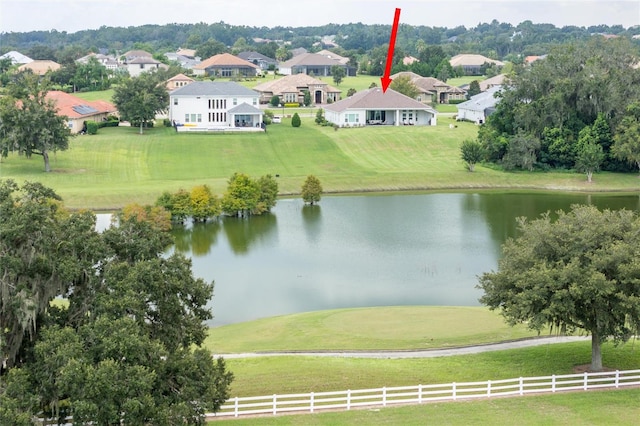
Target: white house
x: 479, y: 107
x: 211, y: 106
x: 375, y: 107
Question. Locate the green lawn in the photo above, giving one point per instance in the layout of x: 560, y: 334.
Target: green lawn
x: 397, y: 327
x: 288, y: 374
x: 101, y: 95
x: 119, y: 166
x: 572, y: 409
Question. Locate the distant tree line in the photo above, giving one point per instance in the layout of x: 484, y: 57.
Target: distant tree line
x: 495, y: 40
x: 561, y: 112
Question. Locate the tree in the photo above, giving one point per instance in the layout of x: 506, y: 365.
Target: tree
x: 268, y: 194
x: 126, y: 348
x: 589, y: 155
x: 320, y: 116
x: 29, y: 122
x: 139, y: 99
x: 579, y: 272
x: 472, y: 152
x: 351, y: 92
x: 295, y: 120
x: 307, y: 98
x: 404, y: 85
x: 241, y: 197
x: 210, y: 48
x: 338, y: 72
x: 626, y: 144
x: 311, y: 190
x: 474, y: 88
x: 275, y: 101
x: 204, y: 204
x: 521, y: 152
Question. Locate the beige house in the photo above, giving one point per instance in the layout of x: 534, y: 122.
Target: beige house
x: 178, y: 81
x: 40, y: 67
x: 140, y: 65
x: 226, y: 65
x: 432, y: 89
x: 291, y: 88
x: 471, y: 63
x: 78, y: 111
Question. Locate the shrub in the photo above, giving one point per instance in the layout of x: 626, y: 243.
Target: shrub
x: 295, y: 120
x: 167, y: 123
x: 275, y: 100
x: 92, y: 127
x: 291, y: 105
x: 267, y: 118
x: 320, y: 117
x: 351, y: 92
x: 456, y: 101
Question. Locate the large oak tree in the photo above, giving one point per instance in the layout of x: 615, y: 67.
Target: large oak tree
x: 580, y: 272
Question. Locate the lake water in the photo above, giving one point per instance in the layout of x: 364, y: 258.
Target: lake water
x: 358, y: 251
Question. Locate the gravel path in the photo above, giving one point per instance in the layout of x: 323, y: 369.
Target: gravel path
x: 428, y: 353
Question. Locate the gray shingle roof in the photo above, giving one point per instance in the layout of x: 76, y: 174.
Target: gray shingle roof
x: 245, y: 108
x: 376, y: 99
x: 213, y: 88
x: 481, y: 101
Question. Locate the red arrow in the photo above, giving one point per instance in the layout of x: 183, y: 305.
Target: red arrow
x: 385, y: 80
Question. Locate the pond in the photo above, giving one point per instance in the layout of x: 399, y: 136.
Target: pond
x: 360, y: 251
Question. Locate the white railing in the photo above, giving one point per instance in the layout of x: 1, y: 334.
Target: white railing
x: 382, y: 397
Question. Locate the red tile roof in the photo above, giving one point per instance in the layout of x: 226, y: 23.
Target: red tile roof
x: 74, y: 107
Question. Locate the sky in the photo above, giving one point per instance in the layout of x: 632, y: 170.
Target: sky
x: 76, y: 15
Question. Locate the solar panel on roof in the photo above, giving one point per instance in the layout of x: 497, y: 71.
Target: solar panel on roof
x: 84, y: 109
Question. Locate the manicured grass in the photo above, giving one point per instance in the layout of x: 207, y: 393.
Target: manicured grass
x: 119, y: 166
x: 460, y: 81
x: 289, y: 374
x: 618, y: 407
x: 397, y: 327
x: 101, y: 95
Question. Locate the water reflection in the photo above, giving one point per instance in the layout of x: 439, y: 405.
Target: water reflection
x: 356, y: 251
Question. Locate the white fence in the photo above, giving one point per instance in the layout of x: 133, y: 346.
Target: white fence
x: 382, y: 397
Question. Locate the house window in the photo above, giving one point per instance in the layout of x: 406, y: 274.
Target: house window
x: 255, y: 101
x: 186, y: 118
x: 199, y: 118
x: 226, y: 72
x: 235, y: 101
x: 193, y: 118
x: 141, y: 66
x: 175, y: 101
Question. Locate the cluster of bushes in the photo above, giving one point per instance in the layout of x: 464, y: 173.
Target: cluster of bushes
x: 244, y: 197
x: 93, y: 126
x: 291, y: 104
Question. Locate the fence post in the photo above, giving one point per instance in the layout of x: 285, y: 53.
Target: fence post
x: 521, y: 386
x: 419, y: 394
x: 617, y: 378
x: 488, y: 388
x: 384, y: 396
x: 275, y: 404
x: 453, y: 389
x: 236, y: 407
x: 553, y: 383
x: 349, y: 399
x: 586, y: 381
x: 311, y: 402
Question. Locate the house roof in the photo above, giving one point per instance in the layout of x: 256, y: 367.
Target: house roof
x: 17, y: 57
x: 180, y: 77
x: 137, y: 54
x: 329, y: 54
x: 250, y: 56
x: 469, y: 59
x: 375, y: 98
x: 245, y: 108
x: 482, y: 100
x: 293, y: 84
x: 40, y: 67
x: 214, y: 88
x: 143, y: 60
x: 428, y: 84
x: 307, y: 59
x: 74, y: 107
x: 224, y: 59
x: 493, y: 81
x: 190, y: 53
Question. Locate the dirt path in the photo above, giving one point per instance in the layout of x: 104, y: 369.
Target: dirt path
x: 427, y: 353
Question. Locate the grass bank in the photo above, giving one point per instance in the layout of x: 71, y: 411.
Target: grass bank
x: 381, y: 328
x: 289, y: 374
x: 119, y: 166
